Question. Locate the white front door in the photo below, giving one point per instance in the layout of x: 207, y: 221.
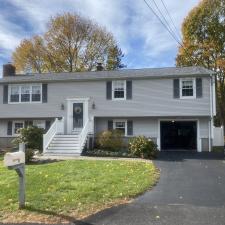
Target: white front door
x: 77, y: 114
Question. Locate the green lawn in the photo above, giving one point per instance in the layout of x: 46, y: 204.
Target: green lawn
x: 75, y: 187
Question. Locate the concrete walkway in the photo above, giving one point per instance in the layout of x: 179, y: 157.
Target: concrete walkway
x: 191, y: 191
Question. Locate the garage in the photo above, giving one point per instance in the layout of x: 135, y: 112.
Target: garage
x: 178, y: 135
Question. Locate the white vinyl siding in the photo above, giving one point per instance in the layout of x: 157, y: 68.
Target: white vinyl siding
x: 153, y: 97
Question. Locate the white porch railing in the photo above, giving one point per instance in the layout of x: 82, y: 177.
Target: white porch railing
x: 83, y: 135
x: 56, y: 128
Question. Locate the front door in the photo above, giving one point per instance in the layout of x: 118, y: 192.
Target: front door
x: 78, y: 115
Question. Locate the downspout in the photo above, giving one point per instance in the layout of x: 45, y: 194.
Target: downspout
x: 211, y: 132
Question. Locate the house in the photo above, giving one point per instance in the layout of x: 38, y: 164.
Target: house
x: 173, y: 106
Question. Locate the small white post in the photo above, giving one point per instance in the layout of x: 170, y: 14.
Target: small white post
x: 21, y: 147
x: 21, y: 172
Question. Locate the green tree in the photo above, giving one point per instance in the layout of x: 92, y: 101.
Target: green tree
x: 71, y: 43
x: 203, y: 44
x: 114, y: 59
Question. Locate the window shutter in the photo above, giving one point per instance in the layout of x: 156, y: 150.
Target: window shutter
x: 198, y: 87
x: 129, y: 89
x: 5, y: 94
x: 47, y: 125
x: 129, y: 127
x: 28, y: 123
x: 110, y: 125
x: 44, y: 93
x: 9, y: 128
x: 176, y: 88
x: 109, y: 90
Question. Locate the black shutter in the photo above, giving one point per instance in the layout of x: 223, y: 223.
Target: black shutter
x: 129, y: 89
x: 28, y: 123
x: 110, y: 125
x: 9, y: 128
x: 44, y: 93
x: 129, y: 127
x: 198, y: 87
x: 109, y: 90
x: 5, y: 94
x: 47, y: 124
x: 176, y: 88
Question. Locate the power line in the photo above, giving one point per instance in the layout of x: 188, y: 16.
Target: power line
x: 152, y: 10
x: 171, y: 19
x: 171, y: 33
x: 165, y: 20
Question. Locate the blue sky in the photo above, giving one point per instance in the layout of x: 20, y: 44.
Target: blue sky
x: 142, y: 38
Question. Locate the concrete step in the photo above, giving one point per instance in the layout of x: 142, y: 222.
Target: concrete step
x: 63, y: 153
x: 66, y: 135
x: 65, y: 139
x: 63, y: 147
x: 65, y: 144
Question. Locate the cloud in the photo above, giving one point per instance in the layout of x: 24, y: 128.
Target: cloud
x: 143, y: 39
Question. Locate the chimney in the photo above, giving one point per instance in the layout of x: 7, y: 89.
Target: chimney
x: 99, y: 66
x: 9, y: 70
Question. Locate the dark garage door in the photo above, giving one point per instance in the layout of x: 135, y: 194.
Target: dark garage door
x: 178, y: 135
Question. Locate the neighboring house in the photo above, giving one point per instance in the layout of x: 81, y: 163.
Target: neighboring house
x: 173, y: 106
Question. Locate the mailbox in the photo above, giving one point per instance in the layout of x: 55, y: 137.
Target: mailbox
x: 14, y: 159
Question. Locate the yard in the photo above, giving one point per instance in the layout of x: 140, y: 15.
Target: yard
x: 64, y: 190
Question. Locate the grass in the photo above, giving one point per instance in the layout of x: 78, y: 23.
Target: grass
x: 74, y: 187
x: 218, y: 149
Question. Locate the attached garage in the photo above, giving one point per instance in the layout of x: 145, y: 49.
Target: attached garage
x: 178, y: 135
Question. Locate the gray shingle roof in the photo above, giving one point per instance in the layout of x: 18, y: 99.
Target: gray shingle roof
x: 116, y: 74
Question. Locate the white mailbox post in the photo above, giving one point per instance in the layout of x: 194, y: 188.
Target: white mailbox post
x: 16, y: 161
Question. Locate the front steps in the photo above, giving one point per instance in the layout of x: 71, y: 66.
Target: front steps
x: 64, y: 145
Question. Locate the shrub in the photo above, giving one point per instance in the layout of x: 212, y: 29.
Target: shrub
x: 29, y: 154
x: 31, y: 136
x: 143, y: 147
x: 110, y: 140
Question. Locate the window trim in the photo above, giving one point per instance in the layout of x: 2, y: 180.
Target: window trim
x: 13, y: 126
x: 194, y: 88
x: 120, y: 120
x: 20, y: 93
x: 125, y: 90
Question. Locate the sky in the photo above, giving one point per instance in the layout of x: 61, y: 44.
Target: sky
x: 143, y: 39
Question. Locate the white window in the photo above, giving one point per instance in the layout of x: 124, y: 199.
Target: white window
x: 17, y: 125
x: 119, y: 89
x: 120, y: 125
x: 25, y: 93
x: 187, y: 89
x: 36, y: 93
x: 14, y: 94
x: 39, y: 123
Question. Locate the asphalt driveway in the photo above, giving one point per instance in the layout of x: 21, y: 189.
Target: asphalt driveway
x: 191, y: 191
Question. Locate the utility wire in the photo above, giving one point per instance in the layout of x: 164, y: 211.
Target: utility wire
x: 171, y: 19
x: 152, y: 10
x: 171, y: 33
x: 165, y: 20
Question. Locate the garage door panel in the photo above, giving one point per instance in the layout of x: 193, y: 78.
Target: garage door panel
x: 178, y: 135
